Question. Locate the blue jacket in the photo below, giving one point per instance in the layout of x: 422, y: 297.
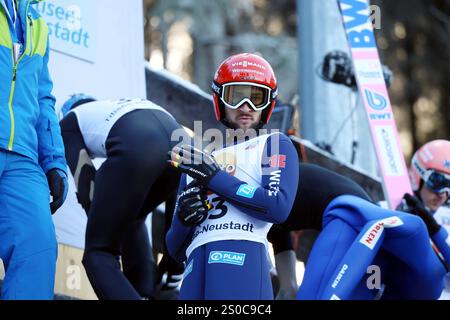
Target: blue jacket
x: 28, y: 123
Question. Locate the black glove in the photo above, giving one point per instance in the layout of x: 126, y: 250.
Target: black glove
x: 85, y: 186
x: 192, y: 205
x: 413, y: 205
x: 57, y: 183
x: 196, y: 163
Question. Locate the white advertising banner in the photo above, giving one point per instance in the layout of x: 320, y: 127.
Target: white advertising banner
x: 96, y: 48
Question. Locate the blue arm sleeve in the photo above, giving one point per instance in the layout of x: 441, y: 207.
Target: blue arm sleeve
x: 50, y: 144
x: 179, y: 236
x: 440, y: 240
x: 272, y: 201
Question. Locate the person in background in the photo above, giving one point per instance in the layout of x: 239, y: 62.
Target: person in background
x: 355, y: 235
x: 430, y: 179
x: 32, y: 163
x: 134, y: 135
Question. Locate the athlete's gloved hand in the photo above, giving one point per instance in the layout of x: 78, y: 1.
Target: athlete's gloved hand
x: 413, y: 205
x: 85, y: 183
x: 195, y: 163
x: 57, y: 183
x: 170, y: 274
x: 193, y: 205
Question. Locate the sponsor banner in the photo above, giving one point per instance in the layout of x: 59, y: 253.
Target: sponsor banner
x: 72, y: 27
x: 369, y: 76
x: 91, y: 53
x: 98, y: 49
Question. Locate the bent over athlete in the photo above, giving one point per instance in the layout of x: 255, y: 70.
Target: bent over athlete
x: 355, y: 234
x: 134, y: 136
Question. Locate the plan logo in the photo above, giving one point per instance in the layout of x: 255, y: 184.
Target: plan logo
x: 227, y: 257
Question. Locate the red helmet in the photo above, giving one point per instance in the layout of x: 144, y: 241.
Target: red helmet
x: 244, y: 78
x: 431, y: 164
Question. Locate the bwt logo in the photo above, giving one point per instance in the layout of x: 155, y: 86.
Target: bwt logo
x: 375, y: 100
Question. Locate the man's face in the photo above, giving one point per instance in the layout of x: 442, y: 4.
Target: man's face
x: 244, y: 117
x: 432, y: 200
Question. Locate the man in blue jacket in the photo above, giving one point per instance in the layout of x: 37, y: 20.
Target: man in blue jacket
x: 31, y: 155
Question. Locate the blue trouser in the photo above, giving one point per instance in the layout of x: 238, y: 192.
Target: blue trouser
x: 357, y: 234
x: 227, y: 270
x: 28, y: 245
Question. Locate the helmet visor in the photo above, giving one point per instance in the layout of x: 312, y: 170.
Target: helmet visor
x: 236, y: 94
x: 437, y: 181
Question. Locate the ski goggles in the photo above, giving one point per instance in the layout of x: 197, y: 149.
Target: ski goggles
x: 235, y: 94
x: 437, y: 181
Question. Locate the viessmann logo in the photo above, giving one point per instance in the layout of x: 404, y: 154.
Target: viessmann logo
x: 373, y: 234
x: 247, y: 64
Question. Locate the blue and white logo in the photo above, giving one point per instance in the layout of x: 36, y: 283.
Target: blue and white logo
x: 246, y: 191
x: 227, y: 257
x: 375, y: 100
x: 188, y: 269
